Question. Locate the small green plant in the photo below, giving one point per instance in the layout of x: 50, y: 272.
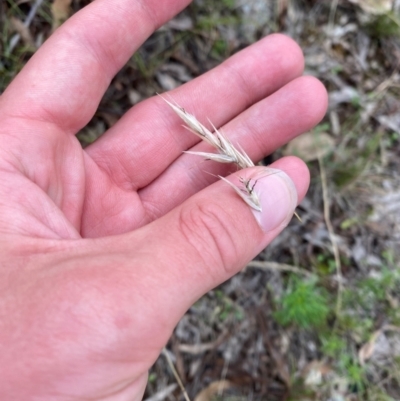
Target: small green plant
x: 349, y: 223
x: 376, y: 393
x: 325, y: 264
x: 373, y: 290
x: 220, y: 48
x: 333, y: 345
x: 349, y: 167
x: 230, y: 4
x: 209, y: 22
x: 385, y: 25
x: 227, y: 309
x: 304, y: 305
x: 354, y: 373
x: 152, y: 377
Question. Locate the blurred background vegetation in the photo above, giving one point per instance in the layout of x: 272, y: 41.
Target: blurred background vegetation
x: 316, y: 316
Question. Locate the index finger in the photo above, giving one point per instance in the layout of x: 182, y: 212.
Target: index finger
x: 65, y: 80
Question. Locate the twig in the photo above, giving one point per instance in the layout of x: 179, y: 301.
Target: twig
x: 332, y: 13
x: 15, y: 39
x: 332, y: 237
x: 264, y: 265
x: 175, y: 373
x: 223, y: 376
x: 197, y: 349
x: 391, y: 327
x: 163, y: 394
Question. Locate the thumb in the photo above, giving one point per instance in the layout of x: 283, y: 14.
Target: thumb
x: 131, y: 290
x: 214, y: 234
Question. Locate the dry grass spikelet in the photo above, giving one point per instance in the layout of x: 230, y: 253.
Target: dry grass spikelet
x: 227, y: 153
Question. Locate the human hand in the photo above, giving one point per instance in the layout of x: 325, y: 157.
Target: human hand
x: 104, y: 249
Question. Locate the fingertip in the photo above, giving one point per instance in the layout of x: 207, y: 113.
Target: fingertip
x: 298, y: 172
x: 292, y: 54
x: 313, y: 93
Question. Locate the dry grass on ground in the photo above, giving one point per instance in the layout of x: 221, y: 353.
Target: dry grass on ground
x: 317, y: 315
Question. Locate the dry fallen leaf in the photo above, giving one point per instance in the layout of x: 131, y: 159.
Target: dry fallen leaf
x: 212, y: 390
x: 391, y: 122
x: 166, y: 81
x: 282, y: 6
x: 380, y: 346
x: 315, y: 372
x: 376, y: 7
x: 181, y: 23
x: 310, y: 146
x: 196, y: 349
x: 368, y: 348
x: 134, y: 96
x: 60, y: 11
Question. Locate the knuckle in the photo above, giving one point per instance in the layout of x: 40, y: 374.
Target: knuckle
x: 210, y: 230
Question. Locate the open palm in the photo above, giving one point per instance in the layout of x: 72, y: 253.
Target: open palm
x: 104, y: 249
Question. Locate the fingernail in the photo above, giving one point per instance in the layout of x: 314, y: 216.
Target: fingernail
x: 278, y: 198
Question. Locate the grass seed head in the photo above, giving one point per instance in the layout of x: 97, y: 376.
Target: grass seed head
x: 227, y: 153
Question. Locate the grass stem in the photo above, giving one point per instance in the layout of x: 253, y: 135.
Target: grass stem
x: 332, y: 237
x: 175, y: 373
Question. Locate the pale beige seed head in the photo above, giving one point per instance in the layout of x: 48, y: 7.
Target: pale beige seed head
x: 227, y: 153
